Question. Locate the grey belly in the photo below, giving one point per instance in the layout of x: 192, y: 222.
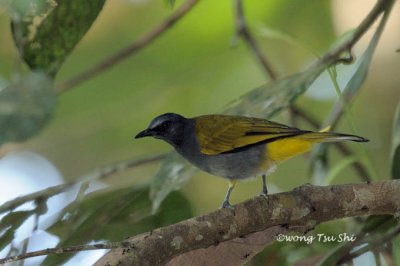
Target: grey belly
x: 240, y: 165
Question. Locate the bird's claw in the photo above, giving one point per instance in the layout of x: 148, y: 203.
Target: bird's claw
x: 226, y: 205
x: 264, y: 192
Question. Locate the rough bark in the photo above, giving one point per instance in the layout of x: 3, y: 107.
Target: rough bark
x: 304, y: 207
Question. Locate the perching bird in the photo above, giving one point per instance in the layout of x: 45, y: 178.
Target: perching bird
x: 236, y: 147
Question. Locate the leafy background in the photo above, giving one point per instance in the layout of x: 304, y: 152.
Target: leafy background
x: 199, y: 67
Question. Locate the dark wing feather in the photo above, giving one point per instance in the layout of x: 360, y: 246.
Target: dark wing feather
x: 221, y: 134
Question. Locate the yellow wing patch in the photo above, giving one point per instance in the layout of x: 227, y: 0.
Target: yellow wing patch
x: 284, y: 149
x: 220, y: 133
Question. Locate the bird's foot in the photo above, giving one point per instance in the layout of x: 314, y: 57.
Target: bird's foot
x: 264, y: 192
x: 227, y: 205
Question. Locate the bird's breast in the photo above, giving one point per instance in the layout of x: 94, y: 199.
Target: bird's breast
x: 242, y: 164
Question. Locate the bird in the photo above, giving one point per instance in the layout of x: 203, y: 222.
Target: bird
x: 236, y: 147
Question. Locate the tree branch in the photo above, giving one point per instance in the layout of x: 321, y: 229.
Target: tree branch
x: 303, y: 207
x: 129, y: 50
x: 243, y: 31
x: 333, y: 55
x: 60, y: 250
x: 234, y: 252
x: 41, y: 194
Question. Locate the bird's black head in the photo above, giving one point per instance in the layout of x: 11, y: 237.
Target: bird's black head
x: 169, y: 127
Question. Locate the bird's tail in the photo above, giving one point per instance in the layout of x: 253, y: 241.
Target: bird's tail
x: 324, y: 136
x: 286, y: 148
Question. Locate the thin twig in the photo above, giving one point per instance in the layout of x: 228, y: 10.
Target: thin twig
x: 71, y: 249
x: 358, y: 167
x: 348, y: 95
x: 376, y: 242
x: 361, y: 238
x: 105, y: 171
x: 97, y: 174
x: 243, y: 31
x: 333, y: 55
x: 45, y: 193
x: 127, y: 51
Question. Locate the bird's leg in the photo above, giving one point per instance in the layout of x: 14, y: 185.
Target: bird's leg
x: 226, y: 204
x: 264, y: 191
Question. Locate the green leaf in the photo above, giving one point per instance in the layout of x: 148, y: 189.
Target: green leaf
x: 14, y: 219
x: 45, y: 32
x: 360, y: 75
x: 396, y: 145
x: 113, y: 216
x: 173, y: 173
x: 378, y: 224
x: 25, y: 107
x: 7, y: 237
x: 270, y: 99
x: 92, y: 206
x: 278, y: 34
x: 9, y: 224
x: 351, y: 89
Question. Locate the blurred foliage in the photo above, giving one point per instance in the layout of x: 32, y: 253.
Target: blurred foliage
x: 10, y: 223
x: 373, y: 227
x: 114, y: 215
x: 173, y: 173
x: 170, y: 2
x: 45, y: 32
x: 25, y: 106
x: 271, y: 99
x: 191, y: 69
x: 351, y: 89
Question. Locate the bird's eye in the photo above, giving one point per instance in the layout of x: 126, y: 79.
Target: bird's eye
x: 164, y: 126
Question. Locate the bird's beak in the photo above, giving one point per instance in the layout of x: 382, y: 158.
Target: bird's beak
x: 144, y: 133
